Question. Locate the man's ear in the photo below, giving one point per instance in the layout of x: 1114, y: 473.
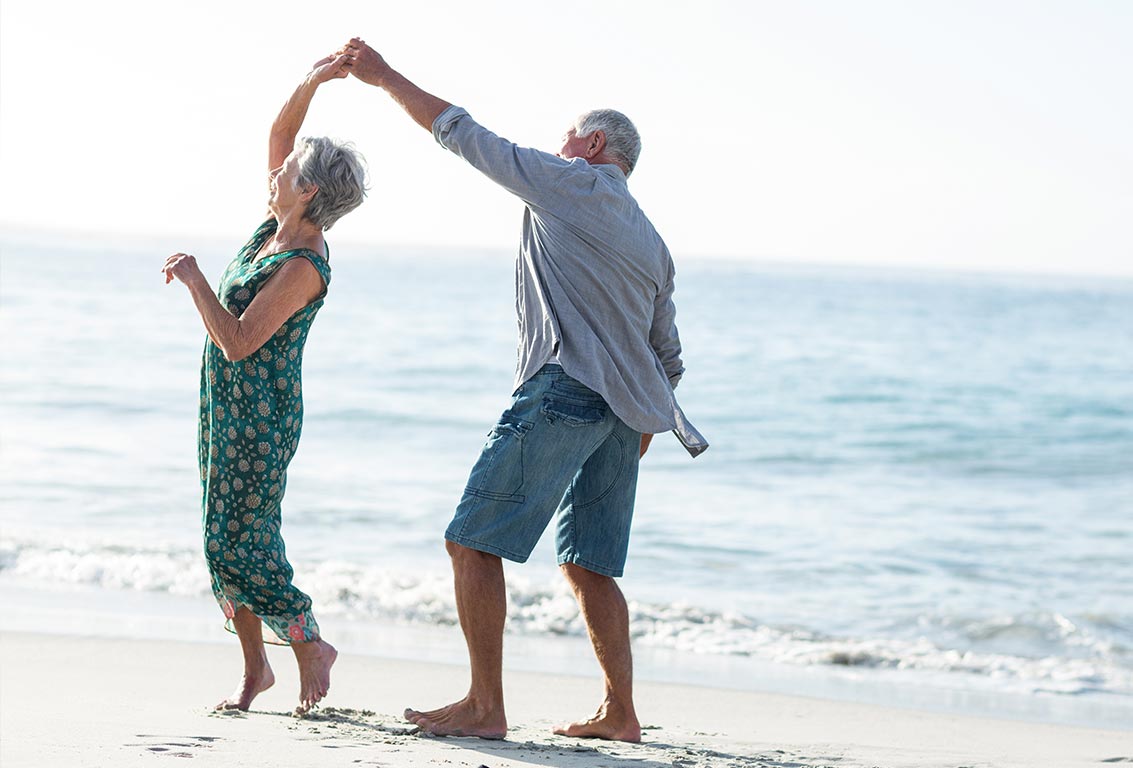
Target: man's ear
x: 596, y: 145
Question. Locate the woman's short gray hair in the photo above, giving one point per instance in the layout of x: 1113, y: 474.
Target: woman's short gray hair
x: 338, y: 170
x: 623, y: 142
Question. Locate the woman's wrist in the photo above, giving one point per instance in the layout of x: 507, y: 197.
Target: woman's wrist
x: 197, y: 283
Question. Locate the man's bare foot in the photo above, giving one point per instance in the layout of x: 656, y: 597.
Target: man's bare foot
x: 315, y: 658
x: 250, y: 686
x: 611, y: 722
x: 464, y: 718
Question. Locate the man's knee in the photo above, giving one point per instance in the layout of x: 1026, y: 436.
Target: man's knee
x: 460, y: 553
x: 580, y: 578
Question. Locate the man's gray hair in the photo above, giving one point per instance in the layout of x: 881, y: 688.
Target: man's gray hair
x: 623, y: 142
x: 338, y: 170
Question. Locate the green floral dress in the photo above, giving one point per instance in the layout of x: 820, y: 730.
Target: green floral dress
x: 251, y: 418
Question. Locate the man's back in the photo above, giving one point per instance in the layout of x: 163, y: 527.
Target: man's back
x: 594, y: 280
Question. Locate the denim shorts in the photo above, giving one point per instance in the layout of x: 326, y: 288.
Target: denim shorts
x: 557, y: 447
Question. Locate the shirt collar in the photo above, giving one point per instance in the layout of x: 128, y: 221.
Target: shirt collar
x: 612, y: 170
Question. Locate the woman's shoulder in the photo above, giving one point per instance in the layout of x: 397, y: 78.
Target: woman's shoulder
x: 314, y: 250
x: 300, y: 263
x: 319, y: 260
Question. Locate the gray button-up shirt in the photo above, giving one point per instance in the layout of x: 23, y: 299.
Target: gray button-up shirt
x: 594, y: 280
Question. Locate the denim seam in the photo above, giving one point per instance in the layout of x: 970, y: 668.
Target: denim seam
x: 514, y: 498
x: 617, y: 477
x: 589, y: 565
x: 570, y: 520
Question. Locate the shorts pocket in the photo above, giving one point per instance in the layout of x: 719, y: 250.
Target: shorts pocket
x: 498, y: 473
x: 573, y: 404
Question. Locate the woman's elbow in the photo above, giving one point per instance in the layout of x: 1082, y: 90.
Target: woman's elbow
x: 234, y: 353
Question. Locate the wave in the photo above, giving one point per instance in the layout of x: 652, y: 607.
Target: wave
x: 1084, y: 664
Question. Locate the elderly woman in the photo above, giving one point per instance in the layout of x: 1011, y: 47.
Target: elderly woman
x: 251, y: 393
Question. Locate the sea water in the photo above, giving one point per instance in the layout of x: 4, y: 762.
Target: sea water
x: 917, y: 480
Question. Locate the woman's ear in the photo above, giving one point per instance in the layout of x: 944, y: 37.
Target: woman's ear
x: 307, y: 193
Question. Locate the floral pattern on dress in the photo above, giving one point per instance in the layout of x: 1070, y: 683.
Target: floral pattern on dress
x: 250, y: 422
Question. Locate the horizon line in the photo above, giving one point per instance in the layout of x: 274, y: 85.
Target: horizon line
x: 135, y: 239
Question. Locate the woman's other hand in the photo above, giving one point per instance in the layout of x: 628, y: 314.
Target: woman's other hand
x: 332, y: 67
x: 183, y: 267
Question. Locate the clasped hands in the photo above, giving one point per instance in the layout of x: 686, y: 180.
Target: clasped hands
x: 354, y: 58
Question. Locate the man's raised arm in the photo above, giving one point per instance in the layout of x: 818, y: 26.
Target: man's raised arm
x: 369, y: 67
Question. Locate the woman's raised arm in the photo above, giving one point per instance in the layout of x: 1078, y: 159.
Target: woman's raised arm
x: 290, y: 118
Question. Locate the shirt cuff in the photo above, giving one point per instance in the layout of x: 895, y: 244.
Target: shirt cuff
x: 445, y: 121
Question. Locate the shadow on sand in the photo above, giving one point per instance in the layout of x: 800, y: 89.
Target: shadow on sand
x: 344, y: 728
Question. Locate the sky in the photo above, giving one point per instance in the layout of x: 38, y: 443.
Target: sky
x: 967, y: 135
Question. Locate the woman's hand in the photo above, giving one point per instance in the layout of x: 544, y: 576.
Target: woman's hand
x: 330, y: 68
x: 183, y: 267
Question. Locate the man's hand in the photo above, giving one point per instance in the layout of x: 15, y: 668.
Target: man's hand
x: 334, y: 66
x: 645, y: 441
x: 366, y: 64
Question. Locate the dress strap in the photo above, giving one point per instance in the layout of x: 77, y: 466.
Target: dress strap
x: 321, y: 264
x: 259, y: 237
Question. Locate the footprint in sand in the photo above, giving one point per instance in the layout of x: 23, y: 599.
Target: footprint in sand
x: 175, y: 746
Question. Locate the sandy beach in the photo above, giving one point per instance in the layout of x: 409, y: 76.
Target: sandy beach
x: 69, y: 701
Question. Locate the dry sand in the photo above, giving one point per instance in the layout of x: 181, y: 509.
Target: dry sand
x: 72, y: 701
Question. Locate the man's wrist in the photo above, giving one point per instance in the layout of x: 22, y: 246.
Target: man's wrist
x: 388, y: 78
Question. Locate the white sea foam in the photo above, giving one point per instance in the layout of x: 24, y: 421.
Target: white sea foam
x: 366, y: 593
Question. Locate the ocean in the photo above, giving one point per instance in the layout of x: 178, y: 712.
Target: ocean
x: 919, y: 491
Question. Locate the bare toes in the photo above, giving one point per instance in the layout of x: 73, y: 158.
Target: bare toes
x: 413, y: 715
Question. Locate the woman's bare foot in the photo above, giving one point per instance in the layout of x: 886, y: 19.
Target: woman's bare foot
x: 464, y: 718
x: 315, y: 658
x: 611, y: 722
x: 250, y: 686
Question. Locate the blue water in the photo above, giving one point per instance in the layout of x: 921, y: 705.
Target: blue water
x: 918, y: 474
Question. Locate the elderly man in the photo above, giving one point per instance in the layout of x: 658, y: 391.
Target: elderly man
x: 599, y: 357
